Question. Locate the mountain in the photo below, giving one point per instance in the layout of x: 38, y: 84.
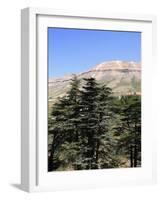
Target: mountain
x: 123, y: 77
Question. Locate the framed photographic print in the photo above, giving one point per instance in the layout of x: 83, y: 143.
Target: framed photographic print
x: 86, y: 99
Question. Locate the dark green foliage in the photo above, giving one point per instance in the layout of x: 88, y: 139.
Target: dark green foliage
x: 89, y: 117
x: 129, y: 129
x: 90, y: 129
x: 64, y: 130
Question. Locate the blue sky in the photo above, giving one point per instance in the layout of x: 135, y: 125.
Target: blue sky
x: 76, y: 50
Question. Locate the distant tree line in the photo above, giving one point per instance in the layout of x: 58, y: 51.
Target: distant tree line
x: 90, y: 128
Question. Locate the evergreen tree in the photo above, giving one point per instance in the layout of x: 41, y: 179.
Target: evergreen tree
x: 95, y: 112
x: 73, y: 144
x: 89, y: 121
x: 105, y: 143
x: 64, y: 130
x: 58, y: 132
x: 91, y: 129
x: 129, y: 130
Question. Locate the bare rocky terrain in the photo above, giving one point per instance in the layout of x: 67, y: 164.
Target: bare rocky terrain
x: 123, y: 77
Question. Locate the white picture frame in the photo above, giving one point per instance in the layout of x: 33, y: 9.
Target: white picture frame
x: 34, y: 176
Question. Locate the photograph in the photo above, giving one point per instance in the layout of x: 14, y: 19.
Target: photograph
x: 94, y: 99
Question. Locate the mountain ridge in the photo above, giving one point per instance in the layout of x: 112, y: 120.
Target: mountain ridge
x: 123, y: 77
x: 97, y: 68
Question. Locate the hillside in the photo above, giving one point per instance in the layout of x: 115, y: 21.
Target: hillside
x: 123, y: 77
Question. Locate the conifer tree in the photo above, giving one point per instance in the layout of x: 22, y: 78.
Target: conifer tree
x: 81, y: 128
x: 129, y: 130
x: 73, y: 143
x: 58, y: 128
x: 95, y: 112
x: 64, y: 129
x: 89, y: 121
x: 105, y: 144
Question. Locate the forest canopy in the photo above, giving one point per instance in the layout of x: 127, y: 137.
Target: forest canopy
x: 91, y: 128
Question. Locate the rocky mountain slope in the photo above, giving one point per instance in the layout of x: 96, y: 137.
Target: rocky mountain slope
x: 123, y: 77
